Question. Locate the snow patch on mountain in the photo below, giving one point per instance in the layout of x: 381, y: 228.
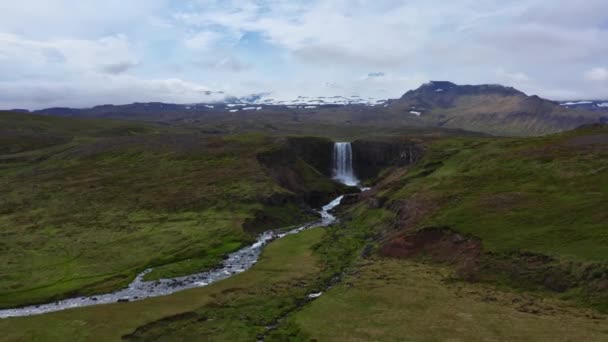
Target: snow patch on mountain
x: 305, y: 101
x: 576, y: 103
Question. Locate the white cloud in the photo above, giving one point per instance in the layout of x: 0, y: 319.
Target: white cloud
x: 511, y: 77
x: 323, y: 31
x: 597, y: 74
x: 80, y: 73
x: 229, y: 63
x: 203, y: 40
x: 463, y: 41
x: 54, y: 51
x: 110, y: 54
x: 76, y: 18
x: 102, y: 89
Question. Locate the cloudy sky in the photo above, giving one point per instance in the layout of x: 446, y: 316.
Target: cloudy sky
x: 82, y: 53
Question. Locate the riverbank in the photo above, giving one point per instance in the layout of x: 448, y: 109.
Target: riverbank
x: 283, y: 264
x: 235, y: 263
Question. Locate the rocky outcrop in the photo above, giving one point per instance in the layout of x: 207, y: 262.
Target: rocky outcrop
x: 371, y: 156
x: 440, y: 243
x: 518, y: 269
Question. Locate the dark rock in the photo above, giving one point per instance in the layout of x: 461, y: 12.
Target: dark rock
x: 372, y: 156
x: 350, y: 199
x: 317, y: 152
x: 292, y: 165
x: 374, y: 202
x: 489, y: 299
x: 367, y: 251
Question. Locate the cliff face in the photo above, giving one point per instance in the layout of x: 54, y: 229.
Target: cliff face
x: 303, y: 166
x: 317, y: 152
x: 371, y: 156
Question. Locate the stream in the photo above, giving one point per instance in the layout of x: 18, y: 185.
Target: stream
x: 235, y: 263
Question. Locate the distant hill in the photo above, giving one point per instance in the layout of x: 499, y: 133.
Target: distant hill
x: 21, y: 132
x: 487, y: 108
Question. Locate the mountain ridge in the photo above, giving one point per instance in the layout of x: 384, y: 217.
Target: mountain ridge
x: 486, y: 108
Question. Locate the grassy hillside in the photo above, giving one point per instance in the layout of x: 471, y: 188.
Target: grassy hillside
x: 400, y: 300
x: 84, y: 216
x: 363, y: 297
x: 483, y: 239
x: 263, y: 292
x: 521, y: 213
x: 509, y: 116
x: 540, y: 195
x: 25, y: 132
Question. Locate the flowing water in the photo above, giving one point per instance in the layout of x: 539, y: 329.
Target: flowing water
x: 235, y: 263
x: 139, y: 289
x: 343, y: 164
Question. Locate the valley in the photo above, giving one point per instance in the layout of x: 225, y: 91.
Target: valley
x: 504, y: 228
x: 306, y: 171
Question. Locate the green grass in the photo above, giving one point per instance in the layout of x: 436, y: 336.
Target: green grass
x: 399, y: 300
x: 88, y: 224
x: 521, y: 197
x: 284, y: 263
x: 29, y: 123
x: 210, y: 256
x: 86, y: 216
x: 25, y: 132
x: 541, y: 195
x: 237, y: 309
x: 375, y: 299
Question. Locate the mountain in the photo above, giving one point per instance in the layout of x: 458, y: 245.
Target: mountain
x: 488, y: 108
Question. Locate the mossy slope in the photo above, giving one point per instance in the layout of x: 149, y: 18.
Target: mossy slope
x: 84, y: 216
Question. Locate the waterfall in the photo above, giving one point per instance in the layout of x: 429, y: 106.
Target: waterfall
x: 343, y: 164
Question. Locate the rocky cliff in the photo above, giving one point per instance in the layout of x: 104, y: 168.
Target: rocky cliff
x: 303, y: 166
x: 371, y: 156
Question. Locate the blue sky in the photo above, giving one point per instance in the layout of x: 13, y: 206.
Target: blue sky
x: 83, y: 53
